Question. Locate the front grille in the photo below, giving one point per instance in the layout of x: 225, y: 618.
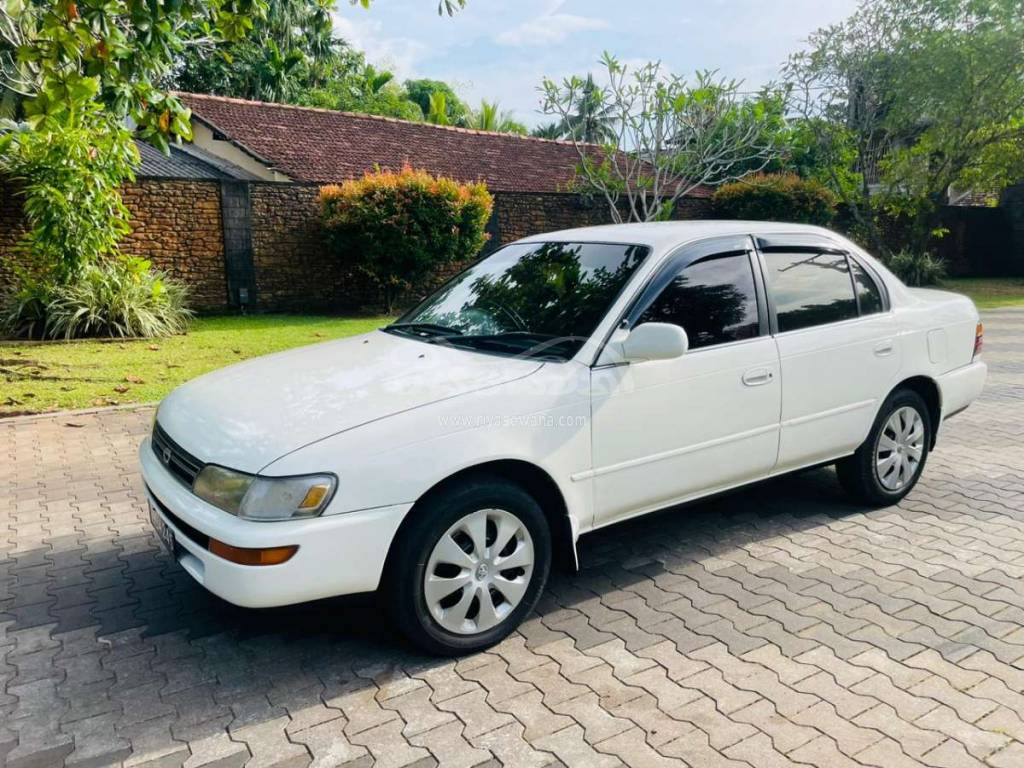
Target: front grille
x: 178, y: 461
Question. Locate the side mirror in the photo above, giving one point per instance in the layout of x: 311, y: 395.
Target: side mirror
x: 655, y: 341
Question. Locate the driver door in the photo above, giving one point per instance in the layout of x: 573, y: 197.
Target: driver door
x: 668, y: 430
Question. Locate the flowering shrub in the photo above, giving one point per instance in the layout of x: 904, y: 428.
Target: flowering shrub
x: 776, y: 197
x: 398, y: 228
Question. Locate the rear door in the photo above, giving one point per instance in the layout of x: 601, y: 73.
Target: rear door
x: 838, y: 346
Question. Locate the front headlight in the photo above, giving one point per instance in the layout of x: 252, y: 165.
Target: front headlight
x: 264, y: 498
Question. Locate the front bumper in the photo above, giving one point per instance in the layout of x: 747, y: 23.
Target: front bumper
x: 338, y: 554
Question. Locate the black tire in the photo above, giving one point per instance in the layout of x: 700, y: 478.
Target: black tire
x: 431, y: 519
x: 858, y: 474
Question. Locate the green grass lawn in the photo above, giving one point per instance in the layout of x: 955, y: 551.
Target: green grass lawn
x: 39, y: 377
x: 989, y: 292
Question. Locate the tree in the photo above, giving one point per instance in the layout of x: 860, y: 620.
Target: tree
x: 666, y: 137
x: 924, y: 95
x: 361, y: 87
x: 552, y: 130
x: 425, y: 93
x: 490, y: 117
x: 288, y: 50
x: 592, y: 118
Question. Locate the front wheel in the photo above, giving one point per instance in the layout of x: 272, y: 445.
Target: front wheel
x: 888, y: 464
x: 469, y: 566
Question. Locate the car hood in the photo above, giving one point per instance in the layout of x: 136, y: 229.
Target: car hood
x: 247, y: 415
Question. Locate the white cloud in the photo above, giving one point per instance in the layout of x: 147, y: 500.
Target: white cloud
x: 548, y: 28
x: 399, y: 54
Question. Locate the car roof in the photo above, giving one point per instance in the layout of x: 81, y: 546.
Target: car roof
x: 667, y: 234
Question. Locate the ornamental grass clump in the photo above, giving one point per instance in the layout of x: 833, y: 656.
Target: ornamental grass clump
x: 399, y: 228
x: 120, y: 298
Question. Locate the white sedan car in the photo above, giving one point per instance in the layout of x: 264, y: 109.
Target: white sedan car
x: 566, y: 382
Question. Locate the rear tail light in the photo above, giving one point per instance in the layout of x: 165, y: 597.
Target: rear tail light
x: 979, y: 340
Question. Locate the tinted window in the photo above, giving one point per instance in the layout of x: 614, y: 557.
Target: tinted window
x: 536, y: 299
x: 810, y: 289
x: 712, y: 300
x: 868, y: 294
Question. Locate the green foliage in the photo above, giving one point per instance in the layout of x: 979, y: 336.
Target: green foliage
x: 452, y: 110
x: 590, y: 118
x: 548, y: 131
x: 355, y: 86
x: 109, y: 55
x: 925, y: 94
x: 398, y: 228
x: 69, y: 179
x: 119, y: 297
x: 290, y: 48
x: 776, y: 197
x: 916, y: 268
x: 490, y: 117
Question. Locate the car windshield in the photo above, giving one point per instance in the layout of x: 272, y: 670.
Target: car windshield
x: 539, y: 300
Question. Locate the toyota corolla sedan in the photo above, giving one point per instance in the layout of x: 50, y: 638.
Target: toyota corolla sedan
x: 566, y: 382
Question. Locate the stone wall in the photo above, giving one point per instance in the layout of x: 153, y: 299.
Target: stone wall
x: 178, y: 226
x: 519, y: 214
x: 175, y: 224
x: 12, y: 227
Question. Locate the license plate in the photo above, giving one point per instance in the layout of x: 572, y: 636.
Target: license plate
x: 163, y: 533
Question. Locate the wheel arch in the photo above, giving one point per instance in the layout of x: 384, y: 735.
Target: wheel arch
x: 533, y: 479
x: 928, y: 389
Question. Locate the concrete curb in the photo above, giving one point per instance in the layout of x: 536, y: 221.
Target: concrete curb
x: 76, y: 412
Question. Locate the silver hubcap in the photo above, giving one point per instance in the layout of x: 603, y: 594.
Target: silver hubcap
x: 900, y: 448
x: 478, y: 571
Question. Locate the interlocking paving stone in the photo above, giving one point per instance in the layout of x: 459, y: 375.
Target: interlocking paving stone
x: 779, y: 625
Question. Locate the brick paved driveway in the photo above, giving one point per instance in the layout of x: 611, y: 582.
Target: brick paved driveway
x: 774, y: 627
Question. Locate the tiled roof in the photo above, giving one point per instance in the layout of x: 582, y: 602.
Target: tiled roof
x: 325, y: 146
x: 186, y: 162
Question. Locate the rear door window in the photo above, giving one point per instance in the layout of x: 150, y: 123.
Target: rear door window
x: 810, y: 288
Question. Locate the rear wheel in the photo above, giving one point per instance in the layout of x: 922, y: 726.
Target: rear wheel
x: 888, y: 464
x: 469, y: 566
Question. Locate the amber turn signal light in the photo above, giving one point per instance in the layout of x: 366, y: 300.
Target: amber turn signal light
x: 979, y: 339
x: 243, y: 556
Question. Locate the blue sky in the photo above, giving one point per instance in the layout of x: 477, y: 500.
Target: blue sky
x: 500, y: 49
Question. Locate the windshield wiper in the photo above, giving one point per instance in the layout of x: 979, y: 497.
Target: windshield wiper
x: 525, y: 343
x: 424, y: 330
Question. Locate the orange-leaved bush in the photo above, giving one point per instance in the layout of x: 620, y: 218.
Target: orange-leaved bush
x: 776, y: 197
x: 400, y: 227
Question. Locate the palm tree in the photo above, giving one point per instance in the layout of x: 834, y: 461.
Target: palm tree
x: 490, y: 117
x: 437, y: 111
x: 548, y: 131
x: 593, y: 121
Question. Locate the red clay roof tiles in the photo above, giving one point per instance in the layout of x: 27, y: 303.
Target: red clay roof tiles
x: 325, y: 146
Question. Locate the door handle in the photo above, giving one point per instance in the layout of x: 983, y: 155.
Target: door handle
x: 885, y: 348
x: 755, y: 377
